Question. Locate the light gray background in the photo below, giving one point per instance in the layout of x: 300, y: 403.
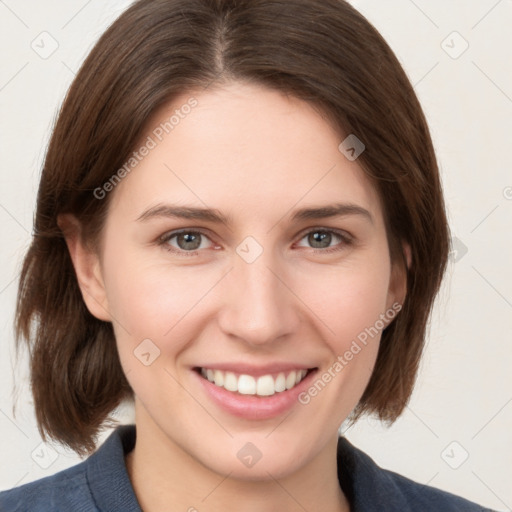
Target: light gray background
x: 461, y: 406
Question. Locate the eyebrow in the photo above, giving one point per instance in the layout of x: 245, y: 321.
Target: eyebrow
x: 215, y: 216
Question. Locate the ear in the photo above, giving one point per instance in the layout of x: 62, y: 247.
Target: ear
x: 87, y: 267
x: 398, y: 281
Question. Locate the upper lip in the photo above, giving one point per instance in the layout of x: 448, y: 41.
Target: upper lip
x: 256, y: 370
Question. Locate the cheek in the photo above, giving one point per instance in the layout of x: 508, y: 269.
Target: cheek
x: 349, y: 301
x: 154, y: 310
x: 349, y: 304
x: 162, y: 301
x: 151, y: 302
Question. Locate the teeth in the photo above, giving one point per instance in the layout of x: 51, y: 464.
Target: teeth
x: 218, y: 378
x: 230, y: 382
x: 290, y: 380
x: 246, y: 385
x: 265, y: 385
x: 280, y: 384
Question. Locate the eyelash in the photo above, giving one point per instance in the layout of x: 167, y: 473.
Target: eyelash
x: 346, y: 240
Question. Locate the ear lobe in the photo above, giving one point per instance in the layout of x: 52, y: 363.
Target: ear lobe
x: 398, y: 282
x: 407, y: 253
x: 87, y: 267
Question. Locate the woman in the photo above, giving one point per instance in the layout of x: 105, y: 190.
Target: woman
x: 240, y: 227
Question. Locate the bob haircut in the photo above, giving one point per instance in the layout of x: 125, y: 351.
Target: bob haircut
x: 323, y: 52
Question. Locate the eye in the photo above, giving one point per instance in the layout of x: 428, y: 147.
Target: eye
x: 321, y: 238
x: 184, y: 242
x: 188, y: 242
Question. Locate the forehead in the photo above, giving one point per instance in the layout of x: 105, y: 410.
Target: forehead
x: 239, y: 147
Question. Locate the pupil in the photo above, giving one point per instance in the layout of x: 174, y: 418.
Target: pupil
x: 190, y: 241
x: 319, y: 237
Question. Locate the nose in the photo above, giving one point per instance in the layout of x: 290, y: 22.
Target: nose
x: 259, y: 305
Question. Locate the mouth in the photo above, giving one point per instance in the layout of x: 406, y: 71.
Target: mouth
x: 260, y: 386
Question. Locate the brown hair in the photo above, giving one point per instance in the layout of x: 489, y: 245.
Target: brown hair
x: 321, y: 51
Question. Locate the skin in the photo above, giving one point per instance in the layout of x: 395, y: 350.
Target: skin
x: 256, y: 155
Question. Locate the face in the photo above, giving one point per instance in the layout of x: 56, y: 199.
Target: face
x: 274, y: 292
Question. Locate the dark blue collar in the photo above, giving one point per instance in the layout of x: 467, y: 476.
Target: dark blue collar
x: 112, y: 490
x: 367, y: 487
x: 107, y: 475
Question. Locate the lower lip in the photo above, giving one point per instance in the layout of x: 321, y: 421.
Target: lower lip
x: 254, y: 407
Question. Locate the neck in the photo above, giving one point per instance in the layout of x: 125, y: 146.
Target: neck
x: 163, y: 475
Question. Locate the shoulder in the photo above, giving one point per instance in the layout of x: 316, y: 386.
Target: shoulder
x: 372, y: 488
x: 424, y: 497
x: 100, y: 482
x: 63, y: 491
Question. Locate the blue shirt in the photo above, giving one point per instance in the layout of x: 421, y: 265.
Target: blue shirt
x: 101, y: 483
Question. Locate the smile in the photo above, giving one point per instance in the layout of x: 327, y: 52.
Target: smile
x: 264, y: 385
